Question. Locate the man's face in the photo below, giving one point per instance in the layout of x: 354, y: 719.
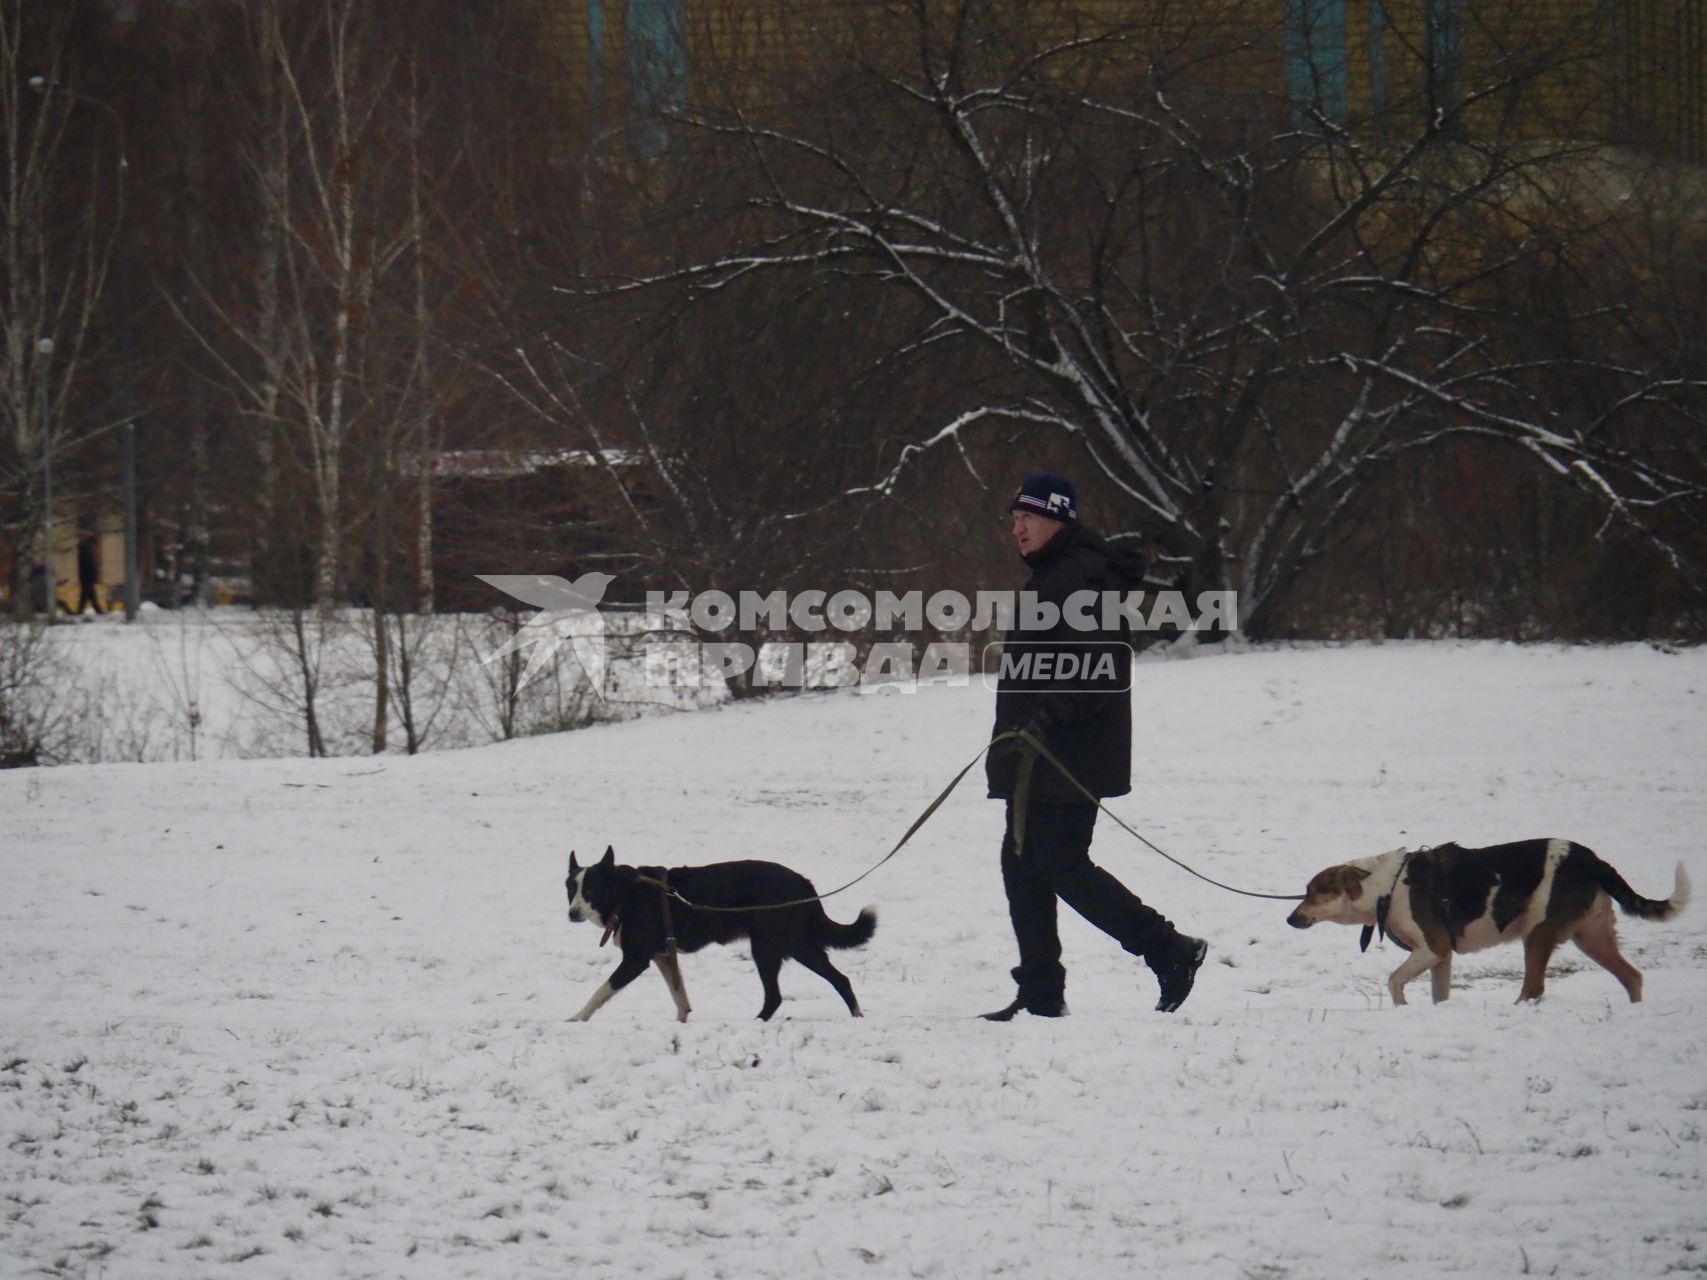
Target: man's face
x: 1032, y: 532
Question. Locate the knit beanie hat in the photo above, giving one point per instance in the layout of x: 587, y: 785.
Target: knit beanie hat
x: 1043, y: 493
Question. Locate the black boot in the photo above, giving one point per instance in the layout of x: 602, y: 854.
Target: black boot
x: 1037, y: 1008
x: 1175, y: 965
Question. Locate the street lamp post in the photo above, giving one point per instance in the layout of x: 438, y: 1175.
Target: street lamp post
x: 132, y: 585
x: 44, y: 349
x: 127, y: 441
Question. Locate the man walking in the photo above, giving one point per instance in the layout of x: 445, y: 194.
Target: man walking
x: 1067, y: 683
x: 88, y: 571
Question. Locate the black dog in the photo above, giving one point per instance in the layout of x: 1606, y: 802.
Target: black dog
x: 729, y: 901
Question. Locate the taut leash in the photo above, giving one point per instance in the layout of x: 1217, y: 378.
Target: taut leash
x: 1034, y: 746
x: 819, y: 897
x: 1048, y: 755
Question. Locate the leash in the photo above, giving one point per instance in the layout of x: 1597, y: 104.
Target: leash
x: 1027, y: 763
x: 1139, y: 836
x: 819, y: 897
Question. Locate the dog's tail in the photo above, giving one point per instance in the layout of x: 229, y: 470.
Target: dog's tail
x: 857, y: 934
x: 1634, y: 904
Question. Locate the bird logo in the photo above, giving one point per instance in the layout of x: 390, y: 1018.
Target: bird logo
x: 568, y: 613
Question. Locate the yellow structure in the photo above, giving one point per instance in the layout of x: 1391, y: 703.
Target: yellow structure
x: 105, y: 544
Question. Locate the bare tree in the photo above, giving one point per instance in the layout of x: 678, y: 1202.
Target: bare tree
x: 60, y: 206
x: 1243, y: 309
x: 36, y: 697
x: 717, y: 441
x: 332, y: 237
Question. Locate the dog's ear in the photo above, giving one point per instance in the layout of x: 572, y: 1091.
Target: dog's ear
x: 573, y: 865
x: 609, y: 859
x: 1351, y: 882
x: 1343, y: 878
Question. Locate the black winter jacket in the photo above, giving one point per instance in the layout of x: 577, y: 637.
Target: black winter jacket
x: 1088, y: 722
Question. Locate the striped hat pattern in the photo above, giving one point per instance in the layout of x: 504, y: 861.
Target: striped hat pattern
x: 1044, y: 493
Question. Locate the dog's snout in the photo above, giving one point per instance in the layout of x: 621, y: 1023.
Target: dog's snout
x: 575, y: 916
x: 1298, y: 920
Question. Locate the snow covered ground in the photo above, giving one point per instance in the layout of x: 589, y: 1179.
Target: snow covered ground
x: 307, y: 1018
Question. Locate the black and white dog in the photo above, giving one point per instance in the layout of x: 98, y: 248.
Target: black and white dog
x: 1435, y: 902
x: 729, y: 901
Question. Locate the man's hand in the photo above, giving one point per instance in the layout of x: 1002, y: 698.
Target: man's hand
x: 1037, y: 724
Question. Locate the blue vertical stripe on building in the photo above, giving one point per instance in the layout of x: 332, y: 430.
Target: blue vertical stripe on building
x: 657, y: 54
x: 1378, y: 56
x: 1316, y: 58
x: 1445, y: 54
x: 595, y: 56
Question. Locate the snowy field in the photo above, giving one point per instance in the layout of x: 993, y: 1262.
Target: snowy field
x: 192, y: 684
x: 307, y: 1019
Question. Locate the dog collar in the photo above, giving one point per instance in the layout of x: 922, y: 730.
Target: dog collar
x: 1369, y: 930
x: 1383, y: 904
x: 611, y: 926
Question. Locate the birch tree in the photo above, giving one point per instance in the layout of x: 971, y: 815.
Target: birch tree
x: 61, y: 203
x: 298, y: 341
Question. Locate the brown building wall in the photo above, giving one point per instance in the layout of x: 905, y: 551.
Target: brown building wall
x: 1658, y: 70
x: 1632, y: 72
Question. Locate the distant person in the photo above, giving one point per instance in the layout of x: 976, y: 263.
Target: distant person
x: 38, y: 587
x: 88, y: 573
x: 1086, y: 723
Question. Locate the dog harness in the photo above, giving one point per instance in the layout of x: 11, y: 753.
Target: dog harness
x: 663, y: 885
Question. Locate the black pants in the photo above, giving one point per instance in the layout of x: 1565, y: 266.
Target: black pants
x: 1056, y: 863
